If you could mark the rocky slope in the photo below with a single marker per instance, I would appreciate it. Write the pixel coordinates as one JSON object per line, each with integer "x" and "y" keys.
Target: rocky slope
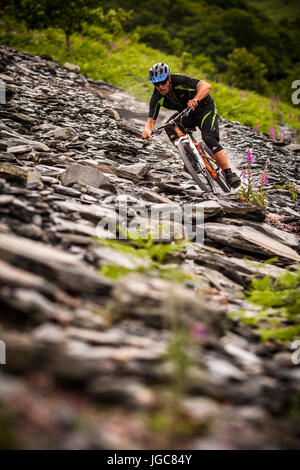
{"x": 86, "y": 364}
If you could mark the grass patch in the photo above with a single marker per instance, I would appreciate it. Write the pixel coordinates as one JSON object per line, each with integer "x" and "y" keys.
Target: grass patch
{"x": 113, "y": 271}
{"x": 149, "y": 250}
{"x": 288, "y": 187}
{"x": 144, "y": 246}
{"x": 279, "y": 300}
{"x": 170, "y": 273}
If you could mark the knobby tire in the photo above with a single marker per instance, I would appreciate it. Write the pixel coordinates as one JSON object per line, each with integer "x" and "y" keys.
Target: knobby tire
{"x": 188, "y": 156}
{"x": 220, "y": 180}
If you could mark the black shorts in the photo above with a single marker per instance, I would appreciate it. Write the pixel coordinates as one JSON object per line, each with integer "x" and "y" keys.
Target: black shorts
{"x": 206, "y": 120}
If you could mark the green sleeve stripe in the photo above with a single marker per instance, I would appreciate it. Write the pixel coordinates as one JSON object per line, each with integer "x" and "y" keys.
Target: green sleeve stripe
{"x": 204, "y": 119}
{"x": 183, "y": 87}
{"x": 160, "y": 102}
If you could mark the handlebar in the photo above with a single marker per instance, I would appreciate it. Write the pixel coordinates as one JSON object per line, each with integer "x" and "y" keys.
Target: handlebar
{"x": 183, "y": 113}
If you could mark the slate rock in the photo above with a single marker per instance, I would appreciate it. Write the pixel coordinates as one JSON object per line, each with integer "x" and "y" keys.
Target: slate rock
{"x": 19, "y": 149}
{"x": 287, "y": 238}
{"x": 156, "y": 301}
{"x": 13, "y": 173}
{"x": 72, "y": 67}
{"x": 57, "y": 265}
{"x": 152, "y": 196}
{"x": 34, "y": 180}
{"x": 61, "y": 133}
{"x": 211, "y": 208}
{"x": 233, "y": 208}
{"x": 76, "y": 173}
{"x": 5, "y": 199}
{"x": 113, "y": 113}
{"x": 137, "y": 171}
{"x": 248, "y": 239}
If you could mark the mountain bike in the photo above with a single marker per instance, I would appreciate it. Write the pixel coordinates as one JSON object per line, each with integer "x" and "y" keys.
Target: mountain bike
{"x": 197, "y": 157}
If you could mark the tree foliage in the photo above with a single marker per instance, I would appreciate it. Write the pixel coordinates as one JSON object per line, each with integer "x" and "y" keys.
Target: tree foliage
{"x": 67, "y": 15}
{"x": 156, "y": 36}
{"x": 246, "y": 71}
{"x": 215, "y": 28}
{"x": 210, "y": 28}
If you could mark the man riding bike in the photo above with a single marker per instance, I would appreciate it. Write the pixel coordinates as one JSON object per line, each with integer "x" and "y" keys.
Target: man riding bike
{"x": 175, "y": 91}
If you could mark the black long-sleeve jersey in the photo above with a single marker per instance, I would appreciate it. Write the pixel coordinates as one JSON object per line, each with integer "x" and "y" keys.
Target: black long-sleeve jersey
{"x": 184, "y": 89}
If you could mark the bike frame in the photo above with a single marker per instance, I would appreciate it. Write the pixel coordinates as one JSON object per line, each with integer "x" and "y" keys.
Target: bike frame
{"x": 193, "y": 144}
{"x": 186, "y": 138}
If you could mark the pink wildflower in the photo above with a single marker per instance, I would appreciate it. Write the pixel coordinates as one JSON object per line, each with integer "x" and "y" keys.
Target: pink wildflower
{"x": 272, "y": 132}
{"x": 243, "y": 174}
{"x": 290, "y": 116}
{"x": 281, "y": 135}
{"x": 278, "y": 102}
{"x": 113, "y": 45}
{"x": 264, "y": 177}
{"x": 255, "y": 128}
{"x": 199, "y": 331}
{"x": 249, "y": 157}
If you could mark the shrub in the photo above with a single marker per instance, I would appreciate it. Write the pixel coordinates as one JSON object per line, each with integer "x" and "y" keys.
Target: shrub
{"x": 246, "y": 71}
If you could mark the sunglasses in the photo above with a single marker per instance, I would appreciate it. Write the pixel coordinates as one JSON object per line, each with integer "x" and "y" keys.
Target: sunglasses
{"x": 161, "y": 83}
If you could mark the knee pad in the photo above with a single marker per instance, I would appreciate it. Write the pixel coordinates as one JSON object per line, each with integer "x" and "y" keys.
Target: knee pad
{"x": 212, "y": 143}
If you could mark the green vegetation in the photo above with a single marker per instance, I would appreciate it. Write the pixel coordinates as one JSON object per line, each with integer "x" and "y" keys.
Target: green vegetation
{"x": 253, "y": 194}
{"x": 277, "y": 9}
{"x": 113, "y": 271}
{"x": 209, "y": 28}
{"x": 123, "y": 61}
{"x": 217, "y": 27}
{"x": 67, "y": 16}
{"x": 244, "y": 67}
{"x": 288, "y": 187}
{"x": 144, "y": 246}
{"x": 154, "y": 255}
{"x": 279, "y": 315}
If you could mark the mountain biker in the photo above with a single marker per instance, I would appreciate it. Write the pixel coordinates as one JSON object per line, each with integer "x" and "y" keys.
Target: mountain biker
{"x": 175, "y": 91}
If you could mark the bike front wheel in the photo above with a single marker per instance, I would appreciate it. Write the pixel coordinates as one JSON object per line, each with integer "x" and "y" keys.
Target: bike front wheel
{"x": 220, "y": 180}
{"x": 193, "y": 167}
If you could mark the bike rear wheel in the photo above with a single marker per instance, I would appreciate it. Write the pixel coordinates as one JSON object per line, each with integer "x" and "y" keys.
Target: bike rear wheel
{"x": 199, "y": 175}
{"x": 220, "y": 180}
